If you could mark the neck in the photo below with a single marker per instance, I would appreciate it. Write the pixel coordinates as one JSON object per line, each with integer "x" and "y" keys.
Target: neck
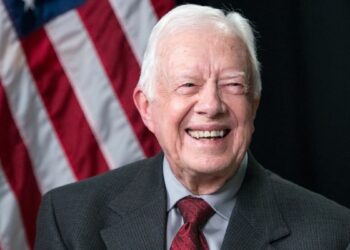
{"x": 203, "y": 183}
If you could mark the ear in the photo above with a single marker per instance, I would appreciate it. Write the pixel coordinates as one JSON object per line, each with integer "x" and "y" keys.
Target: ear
{"x": 143, "y": 105}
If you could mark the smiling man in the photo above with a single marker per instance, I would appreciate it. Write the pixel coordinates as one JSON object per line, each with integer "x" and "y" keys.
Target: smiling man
{"x": 199, "y": 91}
{"x": 204, "y": 105}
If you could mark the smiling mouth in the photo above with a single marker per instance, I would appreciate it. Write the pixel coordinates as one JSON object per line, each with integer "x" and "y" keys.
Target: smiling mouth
{"x": 207, "y": 134}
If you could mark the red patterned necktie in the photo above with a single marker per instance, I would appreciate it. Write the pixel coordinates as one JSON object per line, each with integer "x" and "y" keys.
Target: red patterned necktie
{"x": 196, "y": 212}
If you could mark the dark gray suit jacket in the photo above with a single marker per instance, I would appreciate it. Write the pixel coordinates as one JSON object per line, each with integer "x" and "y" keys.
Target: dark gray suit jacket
{"x": 126, "y": 209}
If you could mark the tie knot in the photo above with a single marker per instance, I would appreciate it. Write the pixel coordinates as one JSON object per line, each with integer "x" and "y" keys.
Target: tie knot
{"x": 195, "y": 210}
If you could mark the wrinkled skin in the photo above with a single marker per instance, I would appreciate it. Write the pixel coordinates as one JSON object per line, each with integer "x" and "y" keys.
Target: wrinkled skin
{"x": 202, "y": 85}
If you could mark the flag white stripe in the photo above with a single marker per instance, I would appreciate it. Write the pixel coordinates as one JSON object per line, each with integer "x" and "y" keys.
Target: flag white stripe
{"x": 93, "y": 90}
{"x": 137, "y": 19}
{"x": 50, "y": 165}
{"x": 12, "y": 235}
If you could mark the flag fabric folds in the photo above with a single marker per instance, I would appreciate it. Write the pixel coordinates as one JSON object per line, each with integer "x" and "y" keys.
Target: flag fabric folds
{"x": 67, "y": 72}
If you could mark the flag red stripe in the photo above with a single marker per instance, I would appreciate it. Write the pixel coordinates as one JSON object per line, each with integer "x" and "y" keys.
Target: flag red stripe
{"x": 162, "y": 7}
{"x": 73, "y": 130}
{"x": 18, "y": 168}
{"x": 119, "y": 62}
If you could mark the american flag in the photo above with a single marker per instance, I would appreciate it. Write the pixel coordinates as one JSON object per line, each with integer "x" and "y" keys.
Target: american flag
{"x": 67, "y": 72}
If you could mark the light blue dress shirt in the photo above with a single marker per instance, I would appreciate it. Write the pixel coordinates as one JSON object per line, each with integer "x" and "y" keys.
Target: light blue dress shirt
{"x": 222, "y": 202}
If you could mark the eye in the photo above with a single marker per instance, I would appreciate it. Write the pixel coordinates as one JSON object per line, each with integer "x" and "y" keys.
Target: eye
{"x": 235, "y": 88}
{"x": 188, "y": 84}
{"x": 187, "y": 88}
{"x": 235, "y": 84}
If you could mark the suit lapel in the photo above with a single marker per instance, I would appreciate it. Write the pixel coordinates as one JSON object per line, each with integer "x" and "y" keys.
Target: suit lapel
{"x": 139, "y": 222}
{"x": 256, "y": 220}
{"x": 137, "y": 217}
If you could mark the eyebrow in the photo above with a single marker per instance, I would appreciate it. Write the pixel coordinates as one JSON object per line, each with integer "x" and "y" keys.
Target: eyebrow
{"x": 234, "y": 74}
{"x": 226, "y": 74}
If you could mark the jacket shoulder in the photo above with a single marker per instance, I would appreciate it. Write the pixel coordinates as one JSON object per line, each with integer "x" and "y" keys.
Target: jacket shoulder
{"x": 99, "y": 188}
{"x": 74, "y": 214}
{"x": 313, "y": 219}
{"x": 291, "y": 195}
{"x": 308, "y": 213}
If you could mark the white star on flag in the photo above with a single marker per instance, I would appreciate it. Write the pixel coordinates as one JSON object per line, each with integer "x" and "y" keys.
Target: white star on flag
{"x": 29, "y": 4}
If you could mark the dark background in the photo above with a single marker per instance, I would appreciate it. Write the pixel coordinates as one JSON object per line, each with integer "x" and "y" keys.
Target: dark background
{"x": 302, "y": 126}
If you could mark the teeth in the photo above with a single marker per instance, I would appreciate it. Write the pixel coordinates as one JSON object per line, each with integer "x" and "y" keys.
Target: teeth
{"x": 198, "y": 134}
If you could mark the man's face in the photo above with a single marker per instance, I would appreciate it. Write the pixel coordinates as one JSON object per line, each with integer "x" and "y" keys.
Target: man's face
{"x": 203, "y": 110}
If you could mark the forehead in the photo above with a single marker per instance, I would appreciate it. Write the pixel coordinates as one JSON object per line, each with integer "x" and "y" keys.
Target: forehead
{"x": 202, "y": 48}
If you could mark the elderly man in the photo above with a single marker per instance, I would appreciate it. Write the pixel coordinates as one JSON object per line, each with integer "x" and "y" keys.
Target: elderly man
{"x": 198, "y": 93}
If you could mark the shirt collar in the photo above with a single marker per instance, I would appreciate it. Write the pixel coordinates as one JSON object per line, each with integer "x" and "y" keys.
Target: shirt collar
{"x": 222, "y": 201}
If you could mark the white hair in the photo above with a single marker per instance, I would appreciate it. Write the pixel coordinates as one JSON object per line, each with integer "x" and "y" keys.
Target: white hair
{"x": 190, "y": 16}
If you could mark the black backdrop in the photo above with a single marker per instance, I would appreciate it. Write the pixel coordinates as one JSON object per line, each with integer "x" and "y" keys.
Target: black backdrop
{"x": 303, "y": 124}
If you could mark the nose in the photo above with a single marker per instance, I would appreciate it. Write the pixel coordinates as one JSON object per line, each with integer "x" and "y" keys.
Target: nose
{"x": 209, "y": 101}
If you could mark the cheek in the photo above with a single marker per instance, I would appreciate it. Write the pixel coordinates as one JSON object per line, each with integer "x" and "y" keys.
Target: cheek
{"x": 178, "y": 112}
{"x": 177, "y": 119}
{"x": 243, "y": 110}
{"x": 242, "y": 116}
{"x": 169, "y": 117}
